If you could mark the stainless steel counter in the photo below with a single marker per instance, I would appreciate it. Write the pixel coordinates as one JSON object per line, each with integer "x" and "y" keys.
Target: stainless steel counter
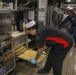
{"x": 20, "y": 40}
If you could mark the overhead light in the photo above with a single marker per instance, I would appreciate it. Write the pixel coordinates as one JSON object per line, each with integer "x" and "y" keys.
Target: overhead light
{"x": 68, "y": 0}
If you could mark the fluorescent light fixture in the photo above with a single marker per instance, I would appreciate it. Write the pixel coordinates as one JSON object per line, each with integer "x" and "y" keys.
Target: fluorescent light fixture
{"x": 68, "y": 0}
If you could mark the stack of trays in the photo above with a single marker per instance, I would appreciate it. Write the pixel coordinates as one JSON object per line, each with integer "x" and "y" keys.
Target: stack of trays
{"x": 27, "y": 54}
{"x": 20, "y": 50}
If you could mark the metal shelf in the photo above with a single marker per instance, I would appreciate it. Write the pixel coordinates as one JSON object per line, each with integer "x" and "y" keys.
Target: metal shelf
{"x": 11, "y": 70}
{"x": 6, "y": 40}
{"x": 8, "y": 59}
{"x": 7, "y": 10}
{"x": 5, "y": 36}
{"x": 5, "y": 43}
{"x": 7, "y": 52}
{"x": 8, "y": 56}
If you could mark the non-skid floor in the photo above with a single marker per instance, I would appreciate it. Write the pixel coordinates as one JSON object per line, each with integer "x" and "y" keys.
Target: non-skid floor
{"x": 69, "y": 66}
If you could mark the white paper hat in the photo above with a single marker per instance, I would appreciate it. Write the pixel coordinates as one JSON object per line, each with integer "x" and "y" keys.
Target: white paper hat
{"x": 69, "y": 8}
{"x": 30, "y": 24}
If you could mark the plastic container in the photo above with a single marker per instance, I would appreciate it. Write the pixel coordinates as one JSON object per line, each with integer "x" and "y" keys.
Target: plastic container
{"x": 11, "y": 5}
{"x": 41, "y": 64}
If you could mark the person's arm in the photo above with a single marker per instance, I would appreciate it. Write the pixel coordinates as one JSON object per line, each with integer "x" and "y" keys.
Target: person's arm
{"x": 40, "y": 52}
{"x": 63, "y": 22}
{"x": 34, "y": 60}
{"x": 74, "y": 19}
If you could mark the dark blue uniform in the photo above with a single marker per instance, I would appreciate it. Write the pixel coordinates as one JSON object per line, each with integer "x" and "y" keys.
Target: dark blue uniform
{"x": 60, "y": 43}
{"x": 72, "y": 30}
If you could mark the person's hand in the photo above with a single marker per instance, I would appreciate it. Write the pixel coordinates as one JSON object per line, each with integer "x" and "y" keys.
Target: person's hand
{"x": 33, "y": 61}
